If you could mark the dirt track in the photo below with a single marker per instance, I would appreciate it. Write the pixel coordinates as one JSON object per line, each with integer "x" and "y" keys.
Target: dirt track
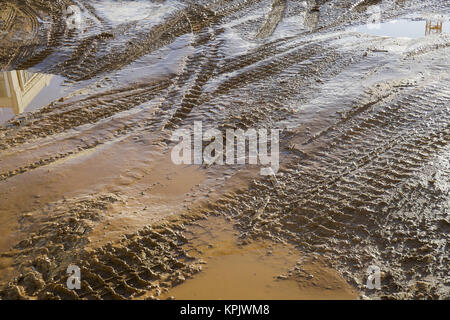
{"x": 365, "y": 147}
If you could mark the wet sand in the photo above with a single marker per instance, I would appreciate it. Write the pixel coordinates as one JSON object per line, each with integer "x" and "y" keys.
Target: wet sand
{"x": 257, "y": 270}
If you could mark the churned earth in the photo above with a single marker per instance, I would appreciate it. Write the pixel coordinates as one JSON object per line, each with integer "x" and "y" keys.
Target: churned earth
{"x": 360, "y": 90}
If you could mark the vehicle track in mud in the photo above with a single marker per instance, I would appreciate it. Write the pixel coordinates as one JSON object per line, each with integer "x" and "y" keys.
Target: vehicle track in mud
{"x": 350, "y": 191}
{"x": 141, "y": 264}
{"x": 342, "y": 208}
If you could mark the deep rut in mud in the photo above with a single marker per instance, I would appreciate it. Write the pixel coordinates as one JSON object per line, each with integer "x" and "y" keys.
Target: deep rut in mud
{"x": 365, "y": 147}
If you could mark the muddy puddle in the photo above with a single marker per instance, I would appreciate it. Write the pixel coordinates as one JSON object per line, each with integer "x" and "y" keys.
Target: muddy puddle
{"x": 405, "y": 28}
{"x": 254, "y": 270}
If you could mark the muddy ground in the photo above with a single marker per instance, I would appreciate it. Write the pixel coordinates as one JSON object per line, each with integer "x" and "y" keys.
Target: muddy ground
{"x": 87, "y": 179}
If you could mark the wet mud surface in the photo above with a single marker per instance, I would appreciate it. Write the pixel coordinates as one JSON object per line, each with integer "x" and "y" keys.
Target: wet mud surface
{"x": 86, "y": 178}
{"x": 241, "y": 269}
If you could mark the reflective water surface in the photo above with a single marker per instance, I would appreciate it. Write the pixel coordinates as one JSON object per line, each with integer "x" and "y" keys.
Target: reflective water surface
{"x": 404, "y": 28}
{"x": 91, "y": 93}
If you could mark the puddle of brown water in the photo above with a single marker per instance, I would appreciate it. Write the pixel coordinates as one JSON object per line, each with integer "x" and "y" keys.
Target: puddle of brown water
{"x": 252, "y": 271}
{"x": 405, "y": 28}
{"x": 24, "y": 91}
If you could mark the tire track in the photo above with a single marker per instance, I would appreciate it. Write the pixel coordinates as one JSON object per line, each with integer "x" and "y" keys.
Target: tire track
{"x": 348, "y": 197}
{"x": 208, "y": 62}
{"x": 338, "y": 204}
